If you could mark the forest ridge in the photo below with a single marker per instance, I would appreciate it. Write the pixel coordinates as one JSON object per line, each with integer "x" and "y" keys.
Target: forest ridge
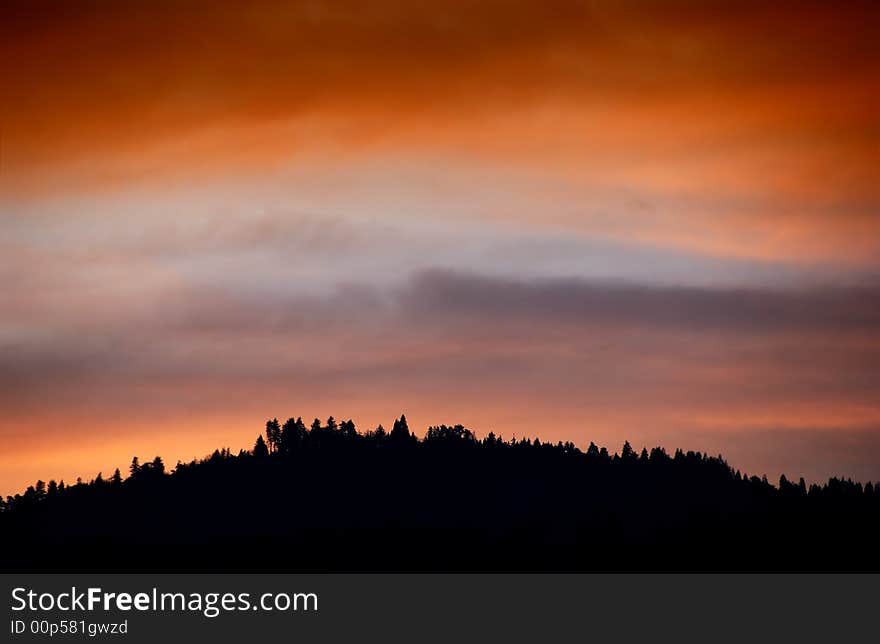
{"x": 326, "y": 497}
{"x": 293, "y": 436}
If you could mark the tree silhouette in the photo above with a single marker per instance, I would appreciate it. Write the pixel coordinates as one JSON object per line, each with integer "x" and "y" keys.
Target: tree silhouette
{"x": 260, "y": 449}
{"x": 293, "y": 435}
{"x": 348, "y": 429}
{"x": 273, "y": 434}
{"x": 333, "y": 499}
{"x": 400, "y": 431}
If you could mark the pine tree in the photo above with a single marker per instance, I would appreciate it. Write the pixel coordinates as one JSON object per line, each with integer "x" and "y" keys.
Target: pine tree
{"x": 260, "y": 449}
{"x": 400, "y": 430}
{"x": 348, "y": 429}
{"x": 273, "y": 434}
{"x": 290, "y": 436}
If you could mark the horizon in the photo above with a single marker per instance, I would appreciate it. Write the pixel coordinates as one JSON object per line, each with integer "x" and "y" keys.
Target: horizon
{"x": 589, "y": 221}
{"x": 613, "y": 452}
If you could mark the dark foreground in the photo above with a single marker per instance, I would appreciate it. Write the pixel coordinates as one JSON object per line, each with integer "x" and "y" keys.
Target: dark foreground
{"x": 330, "y": 499}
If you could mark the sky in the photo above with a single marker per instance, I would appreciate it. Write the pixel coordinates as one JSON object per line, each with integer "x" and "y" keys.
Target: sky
{"x": 652, "y": 221}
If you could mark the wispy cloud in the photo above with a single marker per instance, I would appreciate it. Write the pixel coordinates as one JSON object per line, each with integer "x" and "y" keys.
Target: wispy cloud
{"x": 587, "y": 220}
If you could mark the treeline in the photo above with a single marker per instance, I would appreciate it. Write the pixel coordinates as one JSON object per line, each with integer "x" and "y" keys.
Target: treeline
{"x": 327, "y": 497}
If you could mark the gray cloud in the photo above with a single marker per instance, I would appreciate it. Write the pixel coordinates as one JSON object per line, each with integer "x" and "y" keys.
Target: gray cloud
{"x": 757, "y": 310}
{"x": 439, "y": 301}
{"x": 560, "y": 358}
{"x": 440, "y": 319}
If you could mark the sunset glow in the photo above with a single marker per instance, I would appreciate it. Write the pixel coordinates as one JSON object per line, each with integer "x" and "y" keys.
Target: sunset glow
{"x": 650, "y": 221}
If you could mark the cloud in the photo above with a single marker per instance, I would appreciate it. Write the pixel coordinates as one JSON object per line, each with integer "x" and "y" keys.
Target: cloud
{"x": 614, "y": 359}
{"x": 628, "y": 191}
{"x": 746, "y": 131}
{"x": 687, "y": 309}
{"x": 741, "y": 373}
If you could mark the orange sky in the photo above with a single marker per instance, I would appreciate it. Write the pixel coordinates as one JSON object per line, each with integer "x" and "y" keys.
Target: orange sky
{"x": 584, "y": 220}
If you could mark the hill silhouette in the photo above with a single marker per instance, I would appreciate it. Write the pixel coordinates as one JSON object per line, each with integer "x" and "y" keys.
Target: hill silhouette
{"x": 328, "y": 498}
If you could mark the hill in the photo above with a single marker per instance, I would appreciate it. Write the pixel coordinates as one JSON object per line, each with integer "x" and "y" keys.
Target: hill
{"x": 327, "y": 498}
